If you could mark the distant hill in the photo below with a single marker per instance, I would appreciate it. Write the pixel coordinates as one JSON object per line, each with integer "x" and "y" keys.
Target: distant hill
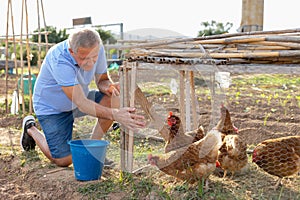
{"x": 151, "y": 33}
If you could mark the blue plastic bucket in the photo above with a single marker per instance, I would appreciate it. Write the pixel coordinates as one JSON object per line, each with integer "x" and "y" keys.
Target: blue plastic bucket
{"x": 88, "y": 158}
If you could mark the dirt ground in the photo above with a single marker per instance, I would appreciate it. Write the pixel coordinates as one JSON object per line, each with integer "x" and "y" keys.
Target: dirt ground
{"x": 31, "y": 176}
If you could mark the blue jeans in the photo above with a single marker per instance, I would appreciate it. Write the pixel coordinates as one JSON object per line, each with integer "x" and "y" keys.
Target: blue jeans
{"x": 58, "y": 128}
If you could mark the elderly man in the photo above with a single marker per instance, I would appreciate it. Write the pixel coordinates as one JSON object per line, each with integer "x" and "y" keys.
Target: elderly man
{"x": 62, "y": 93}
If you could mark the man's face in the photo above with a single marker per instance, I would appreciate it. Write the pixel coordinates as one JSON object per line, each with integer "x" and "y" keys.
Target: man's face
{"x": 86, "y": 57}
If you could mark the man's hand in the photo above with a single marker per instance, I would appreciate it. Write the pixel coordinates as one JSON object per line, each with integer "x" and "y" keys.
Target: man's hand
{"x": 113, "y": 89}
{"x": 126, "y": 117}
{"x": 106, "y": 86}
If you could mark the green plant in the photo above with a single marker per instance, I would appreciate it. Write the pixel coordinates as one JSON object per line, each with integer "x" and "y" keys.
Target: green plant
{"x": 98, "y": 190}
{"x": 266, "y": 118}
{"x": 269, "y": 99}
{"x": 237, "y": 96}
{"x": 298, "y": 99}
{"x": 157, "y": 89}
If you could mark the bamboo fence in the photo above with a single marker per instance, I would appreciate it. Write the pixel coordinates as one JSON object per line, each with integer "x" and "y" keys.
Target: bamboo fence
{"x": 12, "y": 39}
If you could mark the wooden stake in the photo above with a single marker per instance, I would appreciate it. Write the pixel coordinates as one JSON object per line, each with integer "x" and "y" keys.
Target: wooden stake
{"x": 123, "y": 85}
{"x": 46, "y": 35}
{"x": 39, "y": 35}
{"x": 132, "y": 104}
{"x": 6, "y": 60}
{"x": 15, "y": 52}
{"x": 193, "y": 99}
{"x": 187, "y": 102}
{"x": 182, "y": 97}
{"x": 28, "y": 61}
{"x": 22, "y": 62}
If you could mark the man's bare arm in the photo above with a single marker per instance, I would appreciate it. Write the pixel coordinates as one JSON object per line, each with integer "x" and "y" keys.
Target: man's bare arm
{"x": 76, "y": 95}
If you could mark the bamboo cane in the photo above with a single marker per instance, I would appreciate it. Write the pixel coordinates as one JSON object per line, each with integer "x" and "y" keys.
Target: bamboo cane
{"x": 46, "y": 35}
{"x": 283, "y": 44}
{"x": 6, "y": 60}
{"x": 224, "y": 48}
{"x": 260, "y": 47}
{"x": 263, "y": 54}
{"x": 212, "y": 37}
{"x": 21, "y": 59}
{"x": 15, "y": 58}
{"x": 124, "y": 137}
{"x": 248, "y": 39}
{"x": 39, "y": 34}
{"x": 241, "y": 39}
{"x": 122, "y": 104}
{"x": 28, "y": 61}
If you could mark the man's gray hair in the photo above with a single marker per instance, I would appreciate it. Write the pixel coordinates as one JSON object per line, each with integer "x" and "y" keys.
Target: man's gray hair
{"x": 85, "y": 38}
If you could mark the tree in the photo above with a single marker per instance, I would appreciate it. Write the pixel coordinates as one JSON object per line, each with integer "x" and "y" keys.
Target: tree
{"x": 214, "y": 28}
{"x": 56, "y": 37}
{"x": 53, "y": 35}
{"x": 106, "y": 36}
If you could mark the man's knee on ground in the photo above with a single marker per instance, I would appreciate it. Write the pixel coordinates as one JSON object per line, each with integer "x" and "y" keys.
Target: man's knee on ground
{"x": 63, "y": 162}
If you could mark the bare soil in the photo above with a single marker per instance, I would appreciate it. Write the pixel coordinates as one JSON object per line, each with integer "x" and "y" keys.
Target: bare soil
{"x": 32, "y": 176}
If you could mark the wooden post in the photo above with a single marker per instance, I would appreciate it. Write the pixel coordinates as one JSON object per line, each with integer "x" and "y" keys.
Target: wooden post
{"x": 127, "y": 137}
{"x": 132, "y": 102}
{"x": 182, "y": 97}
{"x": 28, "y": 61}
{"x": 187, "y": 102}
{"x": 39, "y": 35}
{"x": 252, "y": 16}
{"x": 21, "y": 59}
{"x": 214, "y": 100}
{"x": 123, "y": 86}
{"x": 193, "y": 100}
{"x": 15, "y": 58}
{"x": 46, "y": 35}
{"x": 6, "y": 60}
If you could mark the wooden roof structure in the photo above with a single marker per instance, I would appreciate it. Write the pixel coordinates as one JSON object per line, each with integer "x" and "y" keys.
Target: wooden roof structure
{"x": 235, "y": 52}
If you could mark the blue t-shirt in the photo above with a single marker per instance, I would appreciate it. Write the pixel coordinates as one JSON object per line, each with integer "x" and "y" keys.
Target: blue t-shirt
{"x": 59, "y": 69}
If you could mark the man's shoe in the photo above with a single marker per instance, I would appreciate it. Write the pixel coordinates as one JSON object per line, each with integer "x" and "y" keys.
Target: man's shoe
{"x": 115, "y": 126}
{"x": 109, "y": 163}
{"x": 26, "y": 141}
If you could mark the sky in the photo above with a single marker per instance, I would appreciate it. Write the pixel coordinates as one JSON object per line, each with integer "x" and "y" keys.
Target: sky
{"x": 183, "y": 17}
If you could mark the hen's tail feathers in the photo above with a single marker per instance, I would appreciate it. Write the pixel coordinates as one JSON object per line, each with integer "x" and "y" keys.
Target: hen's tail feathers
{"x": 211, "y": 142}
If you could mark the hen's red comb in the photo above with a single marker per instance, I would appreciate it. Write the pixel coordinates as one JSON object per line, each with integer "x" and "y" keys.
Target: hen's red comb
{"x": 218, "y": 164}
{"x": 170, "y": 113}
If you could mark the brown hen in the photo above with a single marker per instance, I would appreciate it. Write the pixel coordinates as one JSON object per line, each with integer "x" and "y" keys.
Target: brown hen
{"x": 193, "y": 162}
{"x": 232, "y": 155}
{"x": 177, "y": 138}
{"x": 225, "y": 125}
{"x": 279, "y": 157}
